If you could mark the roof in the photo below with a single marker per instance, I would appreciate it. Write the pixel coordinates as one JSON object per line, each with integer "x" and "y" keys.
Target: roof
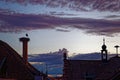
{"x": 97, "y": 69}
{"x": 12, "y": 65}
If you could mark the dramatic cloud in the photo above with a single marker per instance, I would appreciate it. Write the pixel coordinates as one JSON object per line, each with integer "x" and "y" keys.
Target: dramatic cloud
{"x": 113, "y": 17}
{"x": 62, "y": 30}
{"x": 61, "y": 14}
{"x": 84, "y": 5}
{"x": 15, "y": 22}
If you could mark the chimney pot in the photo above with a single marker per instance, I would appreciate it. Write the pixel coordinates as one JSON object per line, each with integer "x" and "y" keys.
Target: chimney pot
{"x": 25, "y": 40}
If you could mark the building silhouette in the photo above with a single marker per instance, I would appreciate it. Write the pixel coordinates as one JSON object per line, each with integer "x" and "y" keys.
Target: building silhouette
{"x": 104, "y": 69}
{"x": 15, "y": 67}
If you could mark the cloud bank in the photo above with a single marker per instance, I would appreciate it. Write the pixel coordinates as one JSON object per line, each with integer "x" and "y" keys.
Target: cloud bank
{"x": 11, "y": 21}
{"x": 16, "y": 22}
{"x": 84, "y": 5}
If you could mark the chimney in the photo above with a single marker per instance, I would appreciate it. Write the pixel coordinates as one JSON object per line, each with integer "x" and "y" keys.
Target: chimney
{"x": 25, "y": 40}
{"x": 64, "y": 51}
{"x": 117, "y": 49}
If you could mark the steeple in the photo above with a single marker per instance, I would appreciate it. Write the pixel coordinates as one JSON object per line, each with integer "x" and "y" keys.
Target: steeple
{"x": 104, "y": 51}
{"x": 104, "y": 46}
{"x": 104, "y": 41}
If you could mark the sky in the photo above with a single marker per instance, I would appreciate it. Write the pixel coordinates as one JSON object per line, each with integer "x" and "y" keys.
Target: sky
{"x": 77, "y": 25}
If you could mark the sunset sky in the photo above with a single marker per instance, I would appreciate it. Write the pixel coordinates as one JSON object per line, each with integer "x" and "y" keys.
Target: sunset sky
{"x": 77, "y": 25}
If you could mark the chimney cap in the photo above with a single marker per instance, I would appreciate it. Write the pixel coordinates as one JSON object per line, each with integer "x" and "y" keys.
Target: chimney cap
{"x": 24, "y": 39}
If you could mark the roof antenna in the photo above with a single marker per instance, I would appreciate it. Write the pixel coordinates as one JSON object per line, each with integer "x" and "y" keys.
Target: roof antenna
{"x": 117, "y": 49}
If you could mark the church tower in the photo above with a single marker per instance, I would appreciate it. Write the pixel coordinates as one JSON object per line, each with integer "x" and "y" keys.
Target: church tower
{"x": 104, "y": 54}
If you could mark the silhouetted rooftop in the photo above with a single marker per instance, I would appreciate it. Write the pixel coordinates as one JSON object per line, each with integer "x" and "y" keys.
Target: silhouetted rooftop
{"x": 97, "y": 69}
{"x": 13, "y": 66}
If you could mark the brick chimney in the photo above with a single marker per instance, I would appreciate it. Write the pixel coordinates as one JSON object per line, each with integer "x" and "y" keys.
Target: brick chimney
{"x": 25, "y": 40}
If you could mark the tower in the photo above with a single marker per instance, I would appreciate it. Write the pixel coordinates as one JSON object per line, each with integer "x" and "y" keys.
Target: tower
{"x": 104, "y": 54}
{"x": 25, "y": 40}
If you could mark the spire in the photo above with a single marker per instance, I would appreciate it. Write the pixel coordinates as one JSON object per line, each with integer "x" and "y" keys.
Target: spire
{"x": 104, "y": 46}
{"x": 103, "y": 41}
{"x": 104, "y": 51}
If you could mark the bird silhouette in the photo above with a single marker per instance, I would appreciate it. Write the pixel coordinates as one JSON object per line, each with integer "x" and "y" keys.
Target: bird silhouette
{"x": 26, "y": 35}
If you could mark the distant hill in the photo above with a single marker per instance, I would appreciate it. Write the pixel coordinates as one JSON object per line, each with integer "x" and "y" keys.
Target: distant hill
{"x": 54, "y": 60}
{"x": 89, "y": 56}
{"x": 50, "y": 58}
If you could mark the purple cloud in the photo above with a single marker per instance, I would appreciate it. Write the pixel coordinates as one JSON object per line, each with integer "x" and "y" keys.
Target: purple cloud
{"x": 16, "y": 22}
{"x": 61, "y": 14}
{"x": 62, "y": 30}
{"x": 112, "y": 16}
{"x": 84, "y": 5}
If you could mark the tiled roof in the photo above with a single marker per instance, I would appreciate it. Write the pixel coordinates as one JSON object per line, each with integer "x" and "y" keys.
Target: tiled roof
{"x": 14, "y": 65}
{"x": 97, "y": 69}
